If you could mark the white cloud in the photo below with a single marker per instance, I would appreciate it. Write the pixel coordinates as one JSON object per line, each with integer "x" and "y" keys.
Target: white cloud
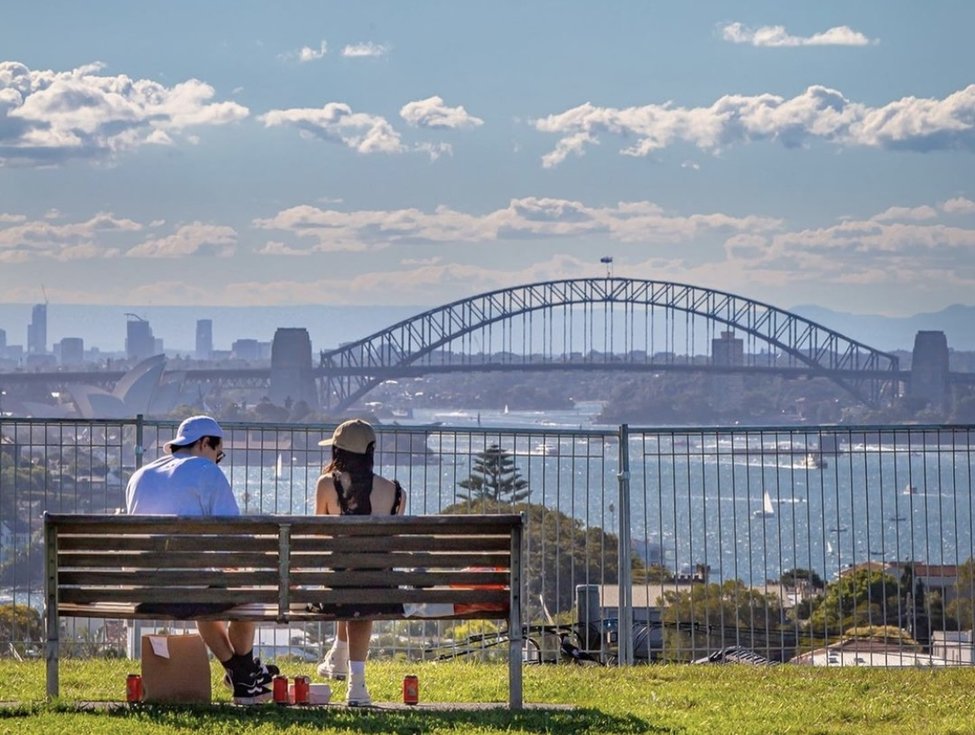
{"x": 329, "y": 230}
{"x": 195, "y": 238}
{"x": 777, "y": 36}
{"x": 47, "y": 117}
{"x": 364, "y": 50}
{"x": 958, "y": 205}
{"x": 433, "y": 113}
{"x": 26, "y": 240}
{"x": 906, "y": 213}
{"x": 306, "y": 53}
{"x": 818, "y": 113}
{"x": 336, "y": 122}
{"x": 6, "y": 218}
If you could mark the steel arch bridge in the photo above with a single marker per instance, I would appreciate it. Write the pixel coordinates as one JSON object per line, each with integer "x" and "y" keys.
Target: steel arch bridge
{"x": 538, "y": 324}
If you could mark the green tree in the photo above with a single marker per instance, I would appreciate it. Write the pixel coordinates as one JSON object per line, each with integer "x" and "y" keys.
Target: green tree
{"x": 797, "y": 577}
{"x": 495, "y": 477}
{"x": 561, "y": 552}
{"x": 862, "y": 597}
{"x": 962, "y": 607}
{"x": 19, "y": 623}
{"x": 709, "y": 616}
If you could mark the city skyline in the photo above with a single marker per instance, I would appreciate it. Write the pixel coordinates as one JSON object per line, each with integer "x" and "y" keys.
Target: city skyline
{"x": 382, "y": 154}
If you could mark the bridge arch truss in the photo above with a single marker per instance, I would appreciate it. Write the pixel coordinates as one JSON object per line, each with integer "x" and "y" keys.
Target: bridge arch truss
{"x": 598, "y": 321}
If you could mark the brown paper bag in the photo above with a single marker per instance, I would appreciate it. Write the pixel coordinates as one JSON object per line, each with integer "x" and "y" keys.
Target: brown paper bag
{"x": 175, "y": 668}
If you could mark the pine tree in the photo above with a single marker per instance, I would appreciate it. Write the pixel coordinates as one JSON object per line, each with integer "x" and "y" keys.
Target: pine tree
{"x": 495, "y": 477}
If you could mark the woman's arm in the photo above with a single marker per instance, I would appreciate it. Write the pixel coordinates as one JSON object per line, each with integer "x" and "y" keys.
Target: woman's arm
{"x": 325, "y": 496}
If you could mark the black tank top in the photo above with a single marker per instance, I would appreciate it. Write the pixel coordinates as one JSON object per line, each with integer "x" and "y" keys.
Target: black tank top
{"x": 362, "y": 506}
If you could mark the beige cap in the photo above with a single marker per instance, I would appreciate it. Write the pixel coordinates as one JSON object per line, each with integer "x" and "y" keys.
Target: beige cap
{"x": 353, "y": 436}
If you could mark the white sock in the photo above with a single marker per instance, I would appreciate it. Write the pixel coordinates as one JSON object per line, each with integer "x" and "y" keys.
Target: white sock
{"x": 357, "y": 669}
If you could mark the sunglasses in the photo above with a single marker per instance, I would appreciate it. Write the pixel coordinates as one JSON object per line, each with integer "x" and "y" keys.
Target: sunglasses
{"x": 220, "y": 455}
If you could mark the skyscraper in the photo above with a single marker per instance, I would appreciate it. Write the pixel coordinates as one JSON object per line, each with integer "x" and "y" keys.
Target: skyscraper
{"x": 37, "y": 330}
{"x": 204, "y": 338}
{"x": 139, "y": 341}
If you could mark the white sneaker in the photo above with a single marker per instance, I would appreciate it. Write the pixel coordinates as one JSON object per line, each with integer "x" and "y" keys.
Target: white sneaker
{"x": 335, "y": 665}
{"x": 358, "y": 695}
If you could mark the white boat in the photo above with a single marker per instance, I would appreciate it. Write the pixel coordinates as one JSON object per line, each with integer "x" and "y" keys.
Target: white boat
{"x": 767, "y": 510}
{"x": 909, "y": 489}
{"x": 546, "y": 450}
{"x": 814, "y": 461}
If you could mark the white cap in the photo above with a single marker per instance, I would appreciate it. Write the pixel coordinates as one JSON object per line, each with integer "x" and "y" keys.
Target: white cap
{"x": 192, "y": 430}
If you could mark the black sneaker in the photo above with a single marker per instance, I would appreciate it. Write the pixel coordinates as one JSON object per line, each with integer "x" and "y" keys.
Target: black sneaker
{"x": 248, "y": 690}
{"x": 261, "y": 673}
{"x": 264, "y": 673}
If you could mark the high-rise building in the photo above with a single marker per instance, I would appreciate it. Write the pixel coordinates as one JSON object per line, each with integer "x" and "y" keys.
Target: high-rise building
{"x": 727, "y": 391}
{"x": 204, "y": 338}
{"x": 139, "y": 342}
{"x": 3, "y": 340}
{"x": 37, "y": 330}
{"x": 72, "y": 350}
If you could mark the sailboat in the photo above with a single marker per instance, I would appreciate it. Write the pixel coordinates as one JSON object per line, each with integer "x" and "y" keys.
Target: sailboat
{"x": 279, "y": 467}
{"x": 767, "y": 510}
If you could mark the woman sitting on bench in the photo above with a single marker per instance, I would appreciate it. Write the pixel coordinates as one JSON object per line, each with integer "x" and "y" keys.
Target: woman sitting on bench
{"x": 348, "y": 486}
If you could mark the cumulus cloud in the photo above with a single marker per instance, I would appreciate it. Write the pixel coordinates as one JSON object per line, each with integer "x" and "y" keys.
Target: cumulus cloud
{"x": 906, "y": 213}
{"x": 958, "y": 205}
{"x": 336, "y": 122}
{"x": 819, "y": 113}
{"x": 777, "y": 36}
{"x": 328, "y": 230}
{"x": 306, "y": 53}
{"x": 196, "y": 238}
{"x": 26, "y": 240}
{"x": 47, "y": 116}
{"x": 364, "y": 50}
{"x": 433, "y": 113}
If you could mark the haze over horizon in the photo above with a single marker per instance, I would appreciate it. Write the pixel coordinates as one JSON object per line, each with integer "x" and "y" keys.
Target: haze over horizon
{"x": 380, "y": 153}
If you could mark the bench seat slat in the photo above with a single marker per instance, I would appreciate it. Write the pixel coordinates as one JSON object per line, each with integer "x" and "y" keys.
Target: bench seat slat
{"x": 398, "y": 578}
{"x": 136, "y": 595}
{"x": 151, "y": 560}
{"x": 167, "y": 543}
{"x": 400, "y": 543}
{"x": 169, "y": 578}
{"x": 430, "y": 560}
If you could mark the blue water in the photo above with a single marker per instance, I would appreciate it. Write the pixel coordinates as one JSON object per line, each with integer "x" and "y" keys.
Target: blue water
{"x": 690, "y": 498}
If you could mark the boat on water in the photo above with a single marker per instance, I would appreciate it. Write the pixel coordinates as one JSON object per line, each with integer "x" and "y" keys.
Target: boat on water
{"x": 545, "y": 449}
{"x": 814, "y": 461}
{"x": 909, "y": 489}
{"x": 767, "y": 510}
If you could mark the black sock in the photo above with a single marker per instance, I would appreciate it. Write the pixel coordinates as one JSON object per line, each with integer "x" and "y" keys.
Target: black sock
{"x": 239, "y": 662}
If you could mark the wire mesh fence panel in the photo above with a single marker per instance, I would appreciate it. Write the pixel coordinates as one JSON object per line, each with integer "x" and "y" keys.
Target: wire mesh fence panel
{"x": 827, "y": 545}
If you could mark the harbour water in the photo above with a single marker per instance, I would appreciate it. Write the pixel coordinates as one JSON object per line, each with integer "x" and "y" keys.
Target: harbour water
{"x": 695, "y": 496}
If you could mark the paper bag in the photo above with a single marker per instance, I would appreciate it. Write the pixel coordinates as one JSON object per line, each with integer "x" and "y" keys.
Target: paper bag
{"x": 175, "y": 668}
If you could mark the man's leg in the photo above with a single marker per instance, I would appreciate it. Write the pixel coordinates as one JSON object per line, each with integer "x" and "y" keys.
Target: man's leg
{"x": 233, "y": 646}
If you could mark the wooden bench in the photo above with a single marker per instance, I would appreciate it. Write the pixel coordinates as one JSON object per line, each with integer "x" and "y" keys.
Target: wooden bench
{"x": 137, "y": 567}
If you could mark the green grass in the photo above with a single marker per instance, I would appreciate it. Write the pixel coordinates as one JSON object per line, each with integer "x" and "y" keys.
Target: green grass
{"x": 642, "y": 699}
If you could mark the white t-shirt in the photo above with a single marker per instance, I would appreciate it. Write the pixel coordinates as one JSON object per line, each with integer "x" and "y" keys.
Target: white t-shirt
{"x": 183, "y": 485}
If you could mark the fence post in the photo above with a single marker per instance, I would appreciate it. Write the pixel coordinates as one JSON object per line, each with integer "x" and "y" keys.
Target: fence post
{"x": 139, "y": 422}
{"x": 625, "y": 613}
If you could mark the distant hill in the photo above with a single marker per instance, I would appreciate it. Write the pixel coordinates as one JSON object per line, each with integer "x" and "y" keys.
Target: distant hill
{"x": 897, "y": 333}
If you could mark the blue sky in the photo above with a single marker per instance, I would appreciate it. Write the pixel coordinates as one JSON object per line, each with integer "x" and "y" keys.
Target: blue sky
{"x": 243, "y": 153}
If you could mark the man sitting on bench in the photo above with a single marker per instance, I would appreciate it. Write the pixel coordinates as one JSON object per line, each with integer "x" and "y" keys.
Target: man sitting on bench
{"x": 187, "y": 482}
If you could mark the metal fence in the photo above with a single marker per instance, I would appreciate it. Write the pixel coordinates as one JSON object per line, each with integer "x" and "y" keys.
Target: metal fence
{"x": 822, "y": 545}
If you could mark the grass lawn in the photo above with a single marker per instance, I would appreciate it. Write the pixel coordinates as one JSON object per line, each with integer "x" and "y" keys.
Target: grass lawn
{"x": 642, "y": 699}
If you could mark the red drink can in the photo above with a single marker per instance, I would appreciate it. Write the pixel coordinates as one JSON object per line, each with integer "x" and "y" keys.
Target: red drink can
{"x": 133, "y": 688}
{"x": 280, "y": 689}
{"x": 302, "y": 690}
{"x": 411, "y": 689}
